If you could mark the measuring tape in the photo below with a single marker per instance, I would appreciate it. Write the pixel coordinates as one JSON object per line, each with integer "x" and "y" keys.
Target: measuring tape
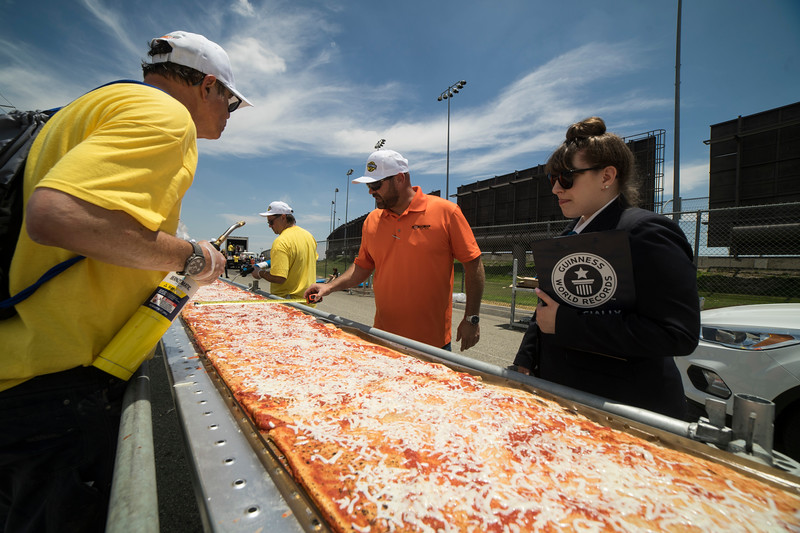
{"x": 228, "y": 302}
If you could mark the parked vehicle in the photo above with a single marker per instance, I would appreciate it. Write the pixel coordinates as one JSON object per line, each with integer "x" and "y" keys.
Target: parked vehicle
{"x": 750, "y": 349}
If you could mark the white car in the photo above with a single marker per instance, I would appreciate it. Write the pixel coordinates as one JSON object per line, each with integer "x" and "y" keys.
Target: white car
{"x": 750, "y": 349}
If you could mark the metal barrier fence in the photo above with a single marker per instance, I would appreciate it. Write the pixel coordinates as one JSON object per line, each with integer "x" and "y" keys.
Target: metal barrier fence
{"x": 743, "y": 255}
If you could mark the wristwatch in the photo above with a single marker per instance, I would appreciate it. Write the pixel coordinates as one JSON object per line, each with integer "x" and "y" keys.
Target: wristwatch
{"x": 473, "y": 319}
{"x": 196, "y": 262}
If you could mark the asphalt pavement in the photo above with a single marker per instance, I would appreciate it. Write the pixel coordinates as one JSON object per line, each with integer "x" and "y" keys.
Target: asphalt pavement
{"x": 498, "y": 343}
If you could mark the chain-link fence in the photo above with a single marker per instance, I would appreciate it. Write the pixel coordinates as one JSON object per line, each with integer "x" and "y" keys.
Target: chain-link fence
{"x": 743, "y": 255}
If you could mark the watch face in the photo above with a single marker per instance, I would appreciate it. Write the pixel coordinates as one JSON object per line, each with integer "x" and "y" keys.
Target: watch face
{"x": 195, "y": 265}
{"x": 196, "y": 262}
{"x": 474, "y": 319}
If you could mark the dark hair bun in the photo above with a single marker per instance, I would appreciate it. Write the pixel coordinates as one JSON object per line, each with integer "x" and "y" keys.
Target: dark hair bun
{"x": 590, "y": 127}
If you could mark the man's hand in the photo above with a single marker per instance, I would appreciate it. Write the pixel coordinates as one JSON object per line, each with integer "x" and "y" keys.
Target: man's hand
{"x": 546, "y": 312}
{"x": 468, "y": 333}
{"x": 215, "y": 264}
{"x": 267, "y": 275}
{"x": 315, "y": 292}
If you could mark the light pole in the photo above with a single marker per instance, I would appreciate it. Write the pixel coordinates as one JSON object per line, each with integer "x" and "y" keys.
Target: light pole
{"x": 346, "y": 205}
{"x": 447, "y": 95}
{"x": 676, "y": 162}
{"x": 334, "y": 208}
{"x": 328, "y": 241}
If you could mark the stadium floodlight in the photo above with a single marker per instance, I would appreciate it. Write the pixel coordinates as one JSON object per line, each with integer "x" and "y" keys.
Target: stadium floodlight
{"x": 448, "y": 94}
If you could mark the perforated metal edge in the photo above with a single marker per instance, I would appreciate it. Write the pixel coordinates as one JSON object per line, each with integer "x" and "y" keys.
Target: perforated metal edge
{"x": 233, "y": 488}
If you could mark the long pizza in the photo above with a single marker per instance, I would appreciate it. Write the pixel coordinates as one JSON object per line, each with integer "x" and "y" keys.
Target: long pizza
{"x": 383, "y": 441}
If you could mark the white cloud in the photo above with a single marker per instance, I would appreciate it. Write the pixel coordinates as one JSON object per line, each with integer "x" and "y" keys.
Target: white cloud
{"x": 694, "y": 179}
{"x": 29, "y": 88}
{"x": 303, "y": 109}
{"x": 243, "y": 7}
{"x": 114, "y": 24}
{"x": 254, "y": 59}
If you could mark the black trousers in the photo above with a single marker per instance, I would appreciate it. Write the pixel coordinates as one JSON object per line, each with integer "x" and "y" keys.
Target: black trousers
{"x": 58, "y": 438}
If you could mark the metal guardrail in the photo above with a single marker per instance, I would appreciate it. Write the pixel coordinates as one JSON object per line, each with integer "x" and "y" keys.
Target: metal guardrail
{"x": 134, "y": 499}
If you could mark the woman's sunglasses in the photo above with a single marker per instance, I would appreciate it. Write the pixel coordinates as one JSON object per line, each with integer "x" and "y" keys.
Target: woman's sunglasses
{"x": 567, "y": 178}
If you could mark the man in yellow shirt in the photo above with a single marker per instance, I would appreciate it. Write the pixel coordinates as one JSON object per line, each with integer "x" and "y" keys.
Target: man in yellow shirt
{"x": 104, "y": 179}
{"x": 293, "y": 256}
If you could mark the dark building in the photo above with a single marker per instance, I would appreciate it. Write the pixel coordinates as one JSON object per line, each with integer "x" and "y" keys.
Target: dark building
{"x": 755, "y": 161}
{"x": 525, "y": 196}
{"x": 509, "y": 212}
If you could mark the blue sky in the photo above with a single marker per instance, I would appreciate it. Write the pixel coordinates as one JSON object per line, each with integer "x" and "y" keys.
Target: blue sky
{"x": 329, "y": 79}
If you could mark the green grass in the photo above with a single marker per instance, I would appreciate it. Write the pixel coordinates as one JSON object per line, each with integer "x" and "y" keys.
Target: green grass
{"x": 498, "y": 281}
{"x": 714, "y": 300}
{"x": 323, "y": 272}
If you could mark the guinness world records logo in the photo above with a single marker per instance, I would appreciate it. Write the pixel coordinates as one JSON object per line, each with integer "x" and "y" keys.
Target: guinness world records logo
{"x": 584, "y": 280}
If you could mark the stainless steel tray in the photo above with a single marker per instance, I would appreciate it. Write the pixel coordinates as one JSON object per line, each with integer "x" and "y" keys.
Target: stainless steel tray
{"x": 244, "y": 483}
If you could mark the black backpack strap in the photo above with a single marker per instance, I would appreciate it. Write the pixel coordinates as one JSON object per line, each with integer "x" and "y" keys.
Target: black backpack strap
{"x": 53, "y": 272}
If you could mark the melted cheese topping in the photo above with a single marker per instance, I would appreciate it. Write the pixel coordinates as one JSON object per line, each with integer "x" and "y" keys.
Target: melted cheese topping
{"x": 426, "y": 448}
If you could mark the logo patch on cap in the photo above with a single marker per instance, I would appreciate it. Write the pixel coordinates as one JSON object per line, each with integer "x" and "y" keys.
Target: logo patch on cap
{"x": 371, "y": 166}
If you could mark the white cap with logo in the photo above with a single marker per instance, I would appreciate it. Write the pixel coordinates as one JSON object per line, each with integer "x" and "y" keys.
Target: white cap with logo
{"x": 382, "y": 164}
{"x": 277, "y": 208}
{"x": 195, "y": 51}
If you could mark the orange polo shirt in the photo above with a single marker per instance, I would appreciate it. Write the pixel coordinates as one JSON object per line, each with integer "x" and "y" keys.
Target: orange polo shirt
{"x": 412, "y": 255}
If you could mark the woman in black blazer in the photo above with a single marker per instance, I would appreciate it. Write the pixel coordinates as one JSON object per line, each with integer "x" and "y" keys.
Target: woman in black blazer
{"x": 624, "y": 357}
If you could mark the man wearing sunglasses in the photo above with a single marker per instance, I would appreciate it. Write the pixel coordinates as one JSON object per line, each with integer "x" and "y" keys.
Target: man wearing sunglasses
{"x": 293, "y": 258}
{"x": 104, "y": 179}
{"x": 410, "y": 242}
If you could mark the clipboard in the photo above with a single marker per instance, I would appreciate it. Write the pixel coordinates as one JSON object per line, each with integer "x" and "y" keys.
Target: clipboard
{"x": 590, "y": 272}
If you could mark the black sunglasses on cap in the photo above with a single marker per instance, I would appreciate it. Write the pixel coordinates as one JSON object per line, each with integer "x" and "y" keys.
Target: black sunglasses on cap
{"x": 567, "y": 178}
{"x": 375, "y": 185}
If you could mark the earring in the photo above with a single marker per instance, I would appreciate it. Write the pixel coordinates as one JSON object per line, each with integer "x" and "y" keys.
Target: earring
{"x": 606, "y": 187}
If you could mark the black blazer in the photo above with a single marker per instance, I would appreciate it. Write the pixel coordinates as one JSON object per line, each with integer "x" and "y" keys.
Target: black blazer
{"x": 628, "y": 357}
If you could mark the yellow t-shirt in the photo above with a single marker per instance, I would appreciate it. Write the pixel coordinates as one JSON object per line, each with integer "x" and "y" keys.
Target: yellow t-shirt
{"x": 125, "y": 147}
{"x": 294, "y": 257}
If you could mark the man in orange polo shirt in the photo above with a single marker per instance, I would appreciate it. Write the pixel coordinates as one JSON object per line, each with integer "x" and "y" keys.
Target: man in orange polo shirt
{"x": 410, "y": 242}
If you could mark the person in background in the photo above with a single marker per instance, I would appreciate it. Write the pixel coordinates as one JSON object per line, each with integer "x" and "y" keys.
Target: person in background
{"x": 104, "y": 179}
{"x": 625, "y": 357}
{"x": 229, "y": 257}
{"x": 293, "y": 257}
{"x": 333, "y": 276}
{"x": 410, "y": 241}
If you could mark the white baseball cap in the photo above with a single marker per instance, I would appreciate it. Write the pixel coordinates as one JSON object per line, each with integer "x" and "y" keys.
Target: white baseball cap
{"x": 195, "y": 51}
{"x": 382, "y": 164}
{"x": 277, "y": 208}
